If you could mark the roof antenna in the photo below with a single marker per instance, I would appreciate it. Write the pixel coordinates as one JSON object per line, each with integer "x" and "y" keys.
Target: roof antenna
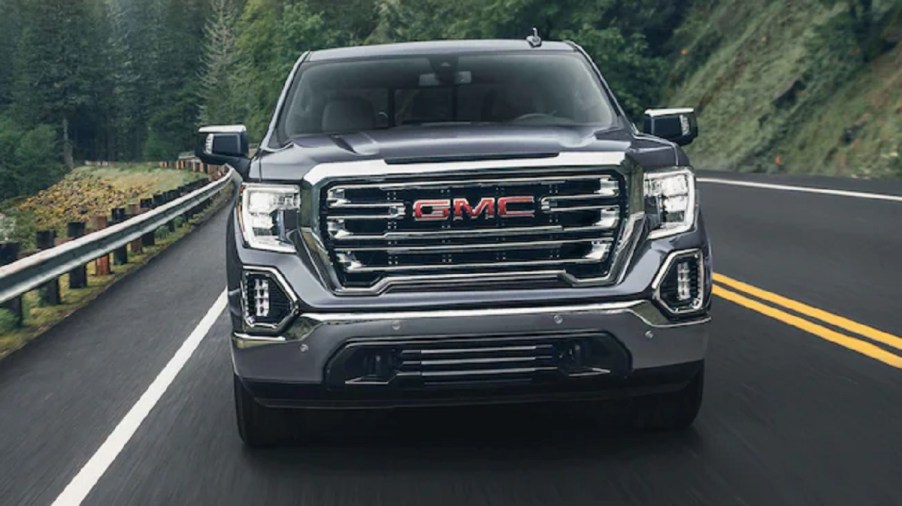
{"x": 534, "y": 39}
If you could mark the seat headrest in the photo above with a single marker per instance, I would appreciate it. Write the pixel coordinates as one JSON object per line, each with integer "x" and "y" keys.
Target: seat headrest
{"x": 348, "y": 114}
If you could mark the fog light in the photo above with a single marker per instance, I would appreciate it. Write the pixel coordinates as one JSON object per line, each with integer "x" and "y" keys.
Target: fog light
{"x": 267, "y": 302}
{"x": 261, "y": 297}
{"x": 680, "y": 286}
{"x": 683, "y": 288}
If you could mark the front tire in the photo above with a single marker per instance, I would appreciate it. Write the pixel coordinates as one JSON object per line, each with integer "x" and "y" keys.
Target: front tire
{"x": 670, "y": 411}
{"x": 258, "y": 425}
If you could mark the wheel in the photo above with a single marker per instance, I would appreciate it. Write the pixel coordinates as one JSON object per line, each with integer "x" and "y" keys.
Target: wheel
{"x": 670, "y": 411}
{"x": 258, "y": 425}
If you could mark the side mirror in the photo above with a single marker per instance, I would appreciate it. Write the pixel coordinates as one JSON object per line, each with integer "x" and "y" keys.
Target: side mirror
{"x": 675, "y": 125}
{"x": 224, "y": 145}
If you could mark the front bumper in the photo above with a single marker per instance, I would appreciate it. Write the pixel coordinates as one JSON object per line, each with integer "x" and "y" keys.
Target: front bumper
{"x": 291, "y": 368}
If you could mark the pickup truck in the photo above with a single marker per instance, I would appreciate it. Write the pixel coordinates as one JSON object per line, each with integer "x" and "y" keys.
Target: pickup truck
{"x": 462, "y": 222}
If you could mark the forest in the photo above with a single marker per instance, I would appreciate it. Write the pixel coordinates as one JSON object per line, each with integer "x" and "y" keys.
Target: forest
{"x": 130, "y": 80}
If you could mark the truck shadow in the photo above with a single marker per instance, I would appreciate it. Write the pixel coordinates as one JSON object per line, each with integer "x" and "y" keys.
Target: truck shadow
{"x": 487, "y": 438}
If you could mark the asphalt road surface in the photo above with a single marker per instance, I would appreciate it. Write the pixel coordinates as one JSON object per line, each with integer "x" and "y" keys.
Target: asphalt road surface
{"x": 803, "y": 401}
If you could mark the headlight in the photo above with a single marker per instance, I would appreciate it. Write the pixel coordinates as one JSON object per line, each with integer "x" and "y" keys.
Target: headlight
{"x": 670, "y": 201}
{"x": 267, "y": 214}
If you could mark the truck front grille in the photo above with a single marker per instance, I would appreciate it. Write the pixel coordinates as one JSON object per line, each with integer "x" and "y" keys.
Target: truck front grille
{"x": 563, "y": 221}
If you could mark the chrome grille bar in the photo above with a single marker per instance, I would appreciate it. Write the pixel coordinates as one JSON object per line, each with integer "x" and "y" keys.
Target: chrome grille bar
{"x": 344, "y": 204}
{"x": 477, "y": 372}
{"x": 450, "y": 248}
{"x": 602, "y": 226}
{"x": 472, "y": 361}
{"x": 461, "y": 351}
{"x": 605, "y": 210}
{"x": 609, "y": 186}
{"x": 359, "y": 268}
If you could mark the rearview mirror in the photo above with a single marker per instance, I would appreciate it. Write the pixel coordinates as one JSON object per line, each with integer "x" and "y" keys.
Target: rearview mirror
{"x": 675, "y": 125}
{"x": 436, "y": 79}
{"x": 224, "y": 145}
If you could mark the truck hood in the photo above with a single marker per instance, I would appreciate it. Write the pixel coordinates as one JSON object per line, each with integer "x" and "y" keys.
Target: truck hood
{"x": 446, "y": 143}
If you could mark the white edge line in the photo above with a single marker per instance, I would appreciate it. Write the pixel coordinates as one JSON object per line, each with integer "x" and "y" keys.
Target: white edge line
{"x": 88, "y": 476}
{"x": 806, "y": 189}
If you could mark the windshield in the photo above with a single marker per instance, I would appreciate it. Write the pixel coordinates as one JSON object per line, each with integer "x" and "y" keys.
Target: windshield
{"x": 542, "y": 89}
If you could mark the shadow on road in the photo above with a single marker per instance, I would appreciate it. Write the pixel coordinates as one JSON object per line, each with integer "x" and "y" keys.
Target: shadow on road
{"x": 481, "y": 437}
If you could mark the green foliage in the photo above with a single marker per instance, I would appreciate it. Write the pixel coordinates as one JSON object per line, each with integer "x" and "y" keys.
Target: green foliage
{"x": 28, "y": 159}
{"x": 266, "y": 65}
{"x": 179, "y": 52}
{"x": 54, "y": 64}
{"x": 785, "y": 87}
{"x": 7, "y": 321}
{"x": 55, "y": 70}
{"x": 865, "y": 21}
{"x": 9, "y": 36}
{"x": 21, "y": 227}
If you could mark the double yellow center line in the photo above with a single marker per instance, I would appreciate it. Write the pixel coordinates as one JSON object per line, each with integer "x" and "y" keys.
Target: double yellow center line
{"x": 729, "y": 289}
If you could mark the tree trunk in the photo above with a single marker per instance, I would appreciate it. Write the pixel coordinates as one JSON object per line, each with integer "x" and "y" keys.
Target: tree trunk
{"x": 67, "y": 146}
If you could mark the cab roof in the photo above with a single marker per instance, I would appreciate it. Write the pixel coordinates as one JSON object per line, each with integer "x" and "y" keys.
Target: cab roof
{"x": 435, "y": 47}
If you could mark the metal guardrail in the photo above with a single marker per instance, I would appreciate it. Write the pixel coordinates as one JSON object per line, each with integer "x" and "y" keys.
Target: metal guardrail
{"x": 33, "y": 271}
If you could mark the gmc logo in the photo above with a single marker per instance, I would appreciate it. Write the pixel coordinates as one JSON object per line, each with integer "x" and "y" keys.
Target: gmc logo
{"x": 488, "y": 207}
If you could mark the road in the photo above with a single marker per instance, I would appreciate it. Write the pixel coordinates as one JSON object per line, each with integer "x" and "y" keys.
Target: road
{"x": 791, "y": 415}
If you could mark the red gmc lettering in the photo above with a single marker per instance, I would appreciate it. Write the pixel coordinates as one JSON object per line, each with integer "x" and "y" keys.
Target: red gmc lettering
{"x": 504, "y": 212}
{"x": 431, "y": 209}
{"x": 486, "y": 205}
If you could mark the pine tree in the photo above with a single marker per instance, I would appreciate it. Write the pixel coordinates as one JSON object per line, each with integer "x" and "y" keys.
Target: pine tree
{"x": 9, "y": 36}
{"x": 175, "y": 100}
{"x": 56, "y": 66}
{"x": 219, "y": 90}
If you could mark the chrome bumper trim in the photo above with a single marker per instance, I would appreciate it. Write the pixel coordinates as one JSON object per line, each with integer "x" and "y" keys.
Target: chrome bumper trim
{"x": 307, "y": 323}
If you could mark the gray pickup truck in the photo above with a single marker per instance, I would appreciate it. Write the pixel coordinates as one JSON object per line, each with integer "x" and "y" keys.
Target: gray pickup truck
{"x": 463, "y": 222}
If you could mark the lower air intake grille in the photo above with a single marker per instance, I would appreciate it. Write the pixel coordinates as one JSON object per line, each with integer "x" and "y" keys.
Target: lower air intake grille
{"x": 489, "y": 361}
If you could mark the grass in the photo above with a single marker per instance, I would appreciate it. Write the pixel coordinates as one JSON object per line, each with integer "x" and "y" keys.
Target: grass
{"x": 845, "y": 117}
{"x": 39, "y": 317}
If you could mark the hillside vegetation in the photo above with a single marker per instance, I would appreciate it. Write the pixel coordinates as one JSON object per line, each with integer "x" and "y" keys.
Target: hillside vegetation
{"x": 793, "y": 86}
{"x": 86, "y": 192}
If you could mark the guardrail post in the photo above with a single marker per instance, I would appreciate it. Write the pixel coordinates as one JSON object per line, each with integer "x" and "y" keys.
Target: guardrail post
{"x": 137, "y": 247}
{"x": 78, "y": 277}
{"x": 148, "y": 238}
{"x": 169, "y": 196}
{"x": 101, "y": 264}
{"x": 9, "y": 253}
{"x": 50, "y": 291}
{"x": 120, "y": 255}
{"x": 186, "y": 189}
